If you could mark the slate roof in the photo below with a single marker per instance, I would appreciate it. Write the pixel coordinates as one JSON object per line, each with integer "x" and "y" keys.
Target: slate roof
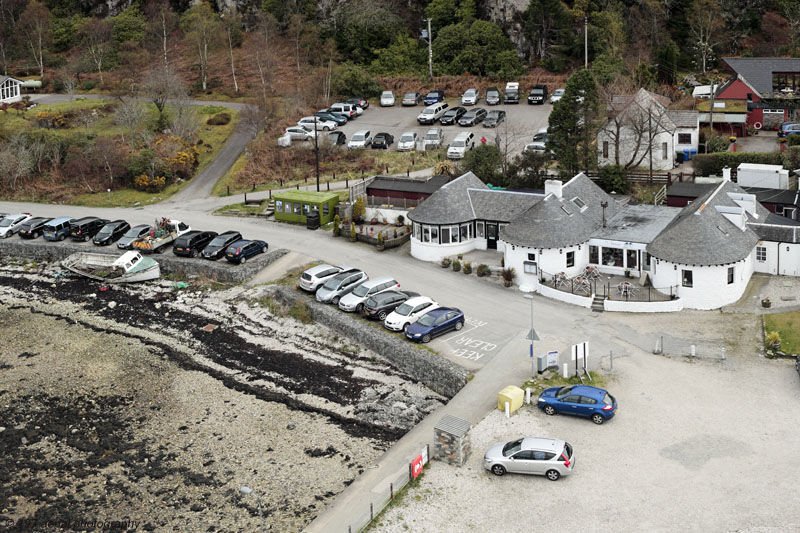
{"x": 389, "y": 183}
{"x": 502, "y": 206}
{"x": 3, "y": 78}
{"x": 779, "y": 231}
{"x": 757, "y": 71}
{"x": 701, "y": 235}
{"x": 547, "y": 225}
{"x": 774, "y": 196}
{"x": 689, "y": 189}
{"x": 683, "y": 118}
{"x": 640, "y": 223}
{"x": 450, "y": 204}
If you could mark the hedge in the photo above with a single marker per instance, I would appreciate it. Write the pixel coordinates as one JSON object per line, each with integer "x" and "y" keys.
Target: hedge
{"x": 712, "y": 164}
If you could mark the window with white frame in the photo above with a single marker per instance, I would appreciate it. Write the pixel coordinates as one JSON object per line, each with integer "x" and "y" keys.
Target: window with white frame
{"x": 761, "y": 254}
{"x": 479, "y": 230}
{"x": 594, "y": 256}
{"x": 454, "y": 234}
{"x": 435, "y": 234}
{"x": 464, "y": 232}
{"x": 426, "y": 234}
{"x": 417, "y": 231}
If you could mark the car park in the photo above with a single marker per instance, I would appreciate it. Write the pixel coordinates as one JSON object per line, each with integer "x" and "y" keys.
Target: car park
{"x": 408, "y": 141}
{"x": 452, "y": 115}
{"x": 531, "y": 455}
{"x": 11, "y": 223}
{"x": 556, "y": 96}
{"x": 354, "y": 302}
{"x": 434, "y": 138}
{"x": 336, "y": 138}
{"x": 360, "y": 102}
{"x": 379, "y": 306}
{"x": 412, "y": 99}
{"x": 578, "y": 400}
{"x": 86, "y": 228}
{"x": 458, "y": 148}
{"x": 470, "y": 97}
{"x": 219, "y": 244}
{"x": 432, "y": 113}
{"x": 538, "y": 95}
{"x": 240, "y": 251}
{"x": 317, "y": 123}
{"x": 434, "y": 323}
{"x": 300, "y": 133}
{"x": 472, "y": 117}
{"x": 348, "y": 110}
{"x": 434, "y": 97}
{"x": 511, "y": 95}
{"x": 313, "y": 278}
{"x": 338, "y": 118}
{"x": 360, "y": 139}
{"x": 57, "y": 229}
{"x": 135, "y": 233}
{"x": 493, "y": 96}
{"x": 408, "y": 312}
{"x": 494, "y": 118}
{"x": 111, "y": 232}
{"x": 382, "y": 140}
{"x": 33, "y": 227}
{"x": 191, "y": 243}
{"x": 340, "y": 285}
{"x": 387, "y": 99}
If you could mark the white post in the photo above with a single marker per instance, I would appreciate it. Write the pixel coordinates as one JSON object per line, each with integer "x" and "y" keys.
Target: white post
{"x": 692, "y": 350}
{"x": 508, "y": 410}
{"x": 565, "y": 371}
{"x": 528, "y": 389}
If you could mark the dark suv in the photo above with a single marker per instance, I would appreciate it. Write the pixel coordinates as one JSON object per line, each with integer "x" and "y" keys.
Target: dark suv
{"x": 85, "y": 228}
{"x": 33, "y": 228}
{"x": 538, "y": 95}
{"x": 192, "y": 242}
{"x": 492, "y": 96}
{"x": 111, "y": 232}
{"x": 379, "y": 306}
{"x": 216, "y": 248}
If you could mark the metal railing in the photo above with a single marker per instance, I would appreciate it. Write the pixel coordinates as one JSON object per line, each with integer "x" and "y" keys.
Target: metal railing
{"x": 592, "y": 282}
{"x": 388, "y": 201}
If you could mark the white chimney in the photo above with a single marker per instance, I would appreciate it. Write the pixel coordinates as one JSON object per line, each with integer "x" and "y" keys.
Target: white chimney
{"x": 726, "y": 173}
{"x": 554, "y": 187}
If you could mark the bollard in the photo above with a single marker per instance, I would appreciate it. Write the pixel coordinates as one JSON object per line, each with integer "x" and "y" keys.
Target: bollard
{"x": 305, "y": 180}
{"x": 391, "y": 491}
{"x": 528, "y": 395}
{"x": 254, "y": 186}
{"x": 334, "y": 176}
{"x": 229, "y": 190}
{"x": 692, "y": 350}
{"x": 270, "y": 194}
{"x": 346, "y": 183}
{"x": 281, "y": 180}
{"x": 565, "y": 371}
{"x": 723, "y": 353}
{"x": 508, "y": 410}
{"x": 329, "y": 185}
{"x": 408, "y": 173}
{"x": 387, "y": 169}
{"x": 298, "y": 186}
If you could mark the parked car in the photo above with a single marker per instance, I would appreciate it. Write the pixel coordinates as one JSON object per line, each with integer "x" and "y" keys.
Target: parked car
{"x": 191, "y": 243}
{"x": 135, "y": 233}
{"x": 458, "y": 148}
{"x": 408, "y": 141}
{"x": 219, "y": 244}
{"x": 434, "y": 138}
{"x": 382, "y": 140}
{"x": 435, "y": 323}
{"x": 313, "y": 278}
{"x": 531, "y": 455}
{"x": 57, "y": 229}
{"x": 111, "y": 232}
{"x": 338, "y": 118}
{"x": 355, "y": 300}
{"x": 538, "y": 95}
{"x": 789, "y": 128}
{"x": 511, "y": 95}
{"x": 434, "y": 97}
{"x": 11, "y": 223}
{"x": 336, "y": 138}
{"x": 33, "y": 227}
{"x": 348, "y": 110}
{"x": 472, "y": 117}
{"x": 379, "y": 306}
{"x": 470, "y": 97}
{"x": 408, "y": 312}
{"x": 556, "y": 96}
{"x": 412, "y": 99}
{"x": 539, "y": 143}
{"x": 360, "y": 139}
{"x": 240, "y": 251}
{"x": 300, "y": 133}
{"x": 340, "y": 285}
{"x": 432, "y": 113}
{"x": 387, "y": 99}
{"x": 320, "y": 124}
{"x": 494, "y": 118}
{"x": 360, "y": 102}
{"x": 452, "y": 115}
{"x": 578, "y": 400}
{"x": 493, "y": 96}
{"x": 86, "y": 228}
{"x": 339, "y": 115}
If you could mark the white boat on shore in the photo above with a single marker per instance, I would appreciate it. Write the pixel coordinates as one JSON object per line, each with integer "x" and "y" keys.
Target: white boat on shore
{"x": 130, "y": 267}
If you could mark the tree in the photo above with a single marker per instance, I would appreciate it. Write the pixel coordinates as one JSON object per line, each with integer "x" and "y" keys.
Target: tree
{"x": 185, "y": 122}
{"x": 202, "y": 28}
{"x": 705, "y": 25}
{"x": 403, "y": 56}
{"x": 257, "y": 115}
{"x": 296, "y": 31}
{"x": 96, "y": 33}
{"x": 267, "y": 27}
{"x": 474, "y": 48}
{"x": 353, "y": 80}
{"x": 69, "y": 82}
{"x": 160, "y": 85}
{"x": 667, "y": 62}
{"x": 129, "y": 26}
{"x": 613, "y": 179}
{"x": 233, "y": 31}
{"x": 572, "y": 124}
{"x": 35, "y": 24}
{"x": 790, "y": 9}
{"x": 529, "y": 170}
{"x": 10, "y": 14}
{"x": 363, "y": 26}
{"x": 161, "y": 21}
{"x": 485, "y": 161}
{"x": 131, "y": 116}
{"x": 545, "y": 20}
{"x": 442, "y": 13}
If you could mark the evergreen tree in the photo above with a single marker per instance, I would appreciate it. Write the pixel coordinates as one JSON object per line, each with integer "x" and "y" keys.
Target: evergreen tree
{"x": 572, "y": 124}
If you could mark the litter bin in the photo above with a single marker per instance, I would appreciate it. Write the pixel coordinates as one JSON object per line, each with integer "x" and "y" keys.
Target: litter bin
{"x": 692, "y": 153}
{"x": 511, "y": 394}
{"x": 312, "y": 220}
{"x": 686, "y": 154}
{"x": 680, "y": 157}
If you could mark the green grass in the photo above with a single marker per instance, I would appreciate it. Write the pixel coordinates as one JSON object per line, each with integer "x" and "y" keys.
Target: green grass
{"x": 242, "y": 208}
{"x": 598, "y": 380}
{"x": 216, "y": 137}
{"x": 125, "y": 197}
{"x": 788, "y": 326}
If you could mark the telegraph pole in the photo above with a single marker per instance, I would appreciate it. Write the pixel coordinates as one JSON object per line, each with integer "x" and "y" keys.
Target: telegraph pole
{"x": 585, "y": 41}
{"x": 430, "y": 50}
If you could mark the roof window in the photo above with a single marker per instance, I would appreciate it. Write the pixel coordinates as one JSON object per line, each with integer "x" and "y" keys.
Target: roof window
{"x": 580, "y": 203}
{"x": 567, "y": 211}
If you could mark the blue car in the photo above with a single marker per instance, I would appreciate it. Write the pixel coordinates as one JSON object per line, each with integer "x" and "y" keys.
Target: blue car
{"x": 579, "y": 400}
{"x": 434, "y": 97}
{"x": 434, "y": 323}
{"x": 789, "y": 128}
{"x": 240, "y": 251}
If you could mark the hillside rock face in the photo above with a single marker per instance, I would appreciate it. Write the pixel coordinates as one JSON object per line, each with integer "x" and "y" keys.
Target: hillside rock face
{"x": 508, "y": 14}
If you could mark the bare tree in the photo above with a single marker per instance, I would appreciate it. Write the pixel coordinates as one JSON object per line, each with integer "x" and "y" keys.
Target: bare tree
{"x": 185, "y": 122}
{"x": 264, "y": 53}
{"x": 257, "y": 115}
{"x": 35, "y": 24}
{"x": 97, "y": 39}
{"x": 296, "y": 31}
{"x": 233, "y": 30}
{"x": 162, "y": 21}
{"x": 202, "y": 29}
{"x": 131, "y": 116}
{"x": 160, "y": 85}
{"x": 16, "y": 161}
{"x": 70, "y": 83}
{"x": 705, "y": 25}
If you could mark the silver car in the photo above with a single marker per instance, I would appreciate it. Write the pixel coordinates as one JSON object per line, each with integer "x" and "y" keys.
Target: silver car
{"x": 407, "y": 142}
{"x": 434, "y": 138}
{"x": 340, "y": 285}
{"x": 531, "y": 455}
{"x": 313, "y": 278}
{"x": 355, "y": 300}
{"x": 556, "y": 96}
{"x": 387, "y": 99}
{"x": 470, "y": 97}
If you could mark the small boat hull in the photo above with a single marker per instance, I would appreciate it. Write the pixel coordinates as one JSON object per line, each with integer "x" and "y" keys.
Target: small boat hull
{"x": 106, "y": 268}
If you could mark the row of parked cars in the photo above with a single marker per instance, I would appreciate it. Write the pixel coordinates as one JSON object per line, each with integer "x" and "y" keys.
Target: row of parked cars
{"x": 420, "y": 318}
{"x": 327, "y": 121}
{"x": 537, "y": 95}
{"x": 448, "y": 116}
{"x": 188, "y": 242}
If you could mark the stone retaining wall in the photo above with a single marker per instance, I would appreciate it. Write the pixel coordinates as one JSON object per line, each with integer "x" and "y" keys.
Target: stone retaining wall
{"x": 221, "y": 270}
{"x": 437, "y": 373}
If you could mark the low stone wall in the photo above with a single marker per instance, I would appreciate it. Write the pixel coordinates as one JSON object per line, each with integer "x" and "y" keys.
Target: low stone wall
{"x": 221, "y": 270}
{"x": 437, "y": 373}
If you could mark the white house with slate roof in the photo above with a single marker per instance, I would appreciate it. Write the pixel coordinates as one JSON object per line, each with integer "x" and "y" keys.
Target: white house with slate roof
{"x": 9, "y": 90}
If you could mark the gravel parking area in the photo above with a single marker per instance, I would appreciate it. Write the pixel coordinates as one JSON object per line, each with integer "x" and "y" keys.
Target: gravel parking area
{"x": 695, "y": 446}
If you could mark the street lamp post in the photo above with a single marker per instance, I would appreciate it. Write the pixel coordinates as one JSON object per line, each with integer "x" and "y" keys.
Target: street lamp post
{"x": 316, "y": 149}
{"x": 533, "y": 359}
{"x": 247, "y": 490}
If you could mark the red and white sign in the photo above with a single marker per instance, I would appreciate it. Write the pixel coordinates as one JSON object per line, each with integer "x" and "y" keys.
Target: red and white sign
{"x": 416, "y": 467}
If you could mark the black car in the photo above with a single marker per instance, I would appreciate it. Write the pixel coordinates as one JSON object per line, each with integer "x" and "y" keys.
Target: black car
{"x": 33, "y": 228}
{"x": 338, "y": 116}
{"x": 492, "y": 96}
{"x": 338, "y": 119}
{"x": 379, "y": 306}
{"x": 216, "y": 248}
{"x": 337, "y": 138}
{"x": 133, "y": 234}
{"x": 494, "y": 118}
{"x": 85, "y": 228}
{"x": 538, "y": 95}
{"x": 382, "y": 140}
{"x": 111, "y": 232}
{"x": 472, "y": 117}
{"x": 360, "y": 102}
{"x": 240, "y": 251}
{"x": 192, "y": 242}
{"x": 452, "y": 115}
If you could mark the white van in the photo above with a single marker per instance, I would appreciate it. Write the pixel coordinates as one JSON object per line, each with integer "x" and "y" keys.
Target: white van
{"x": 345, "y": 109}
{"x": 458, "y": 148}
{"x": 432, "y": 113}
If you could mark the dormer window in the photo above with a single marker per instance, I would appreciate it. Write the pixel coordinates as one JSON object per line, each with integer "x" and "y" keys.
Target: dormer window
{"x": 579, "y": 203}
{"x": 563, "y": 208}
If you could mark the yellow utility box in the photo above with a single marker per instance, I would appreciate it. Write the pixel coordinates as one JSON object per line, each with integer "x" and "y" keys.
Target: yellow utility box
{"x": 511, "y": 394}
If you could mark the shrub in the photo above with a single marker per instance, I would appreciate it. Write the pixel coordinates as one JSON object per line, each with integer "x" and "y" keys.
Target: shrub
{"x": 148, "y": 184}
{"x": 300, "y": 311}
{"x": 395, "y": 233}
{"x": 220, "y": 119}
{"x": 359, "y": 209}
{"x": 772, "y": 338}
{"x": 352, "y": 231}
{"x": 483, "y": 270}
{"x": 58, "y": 85}
{"x": 88, "y": 85}
{"x": 613, "y": 178}
{"x": 353, "y": 80}
{"x": 793, "y": 140}
{"x": 467, "y": 267}
{"x": 380, "y": 238}
{"x": 337, "y": 222}
{"x": 400, "y": 220}
{"x": 712, "y": 164}
{"x": 446, "y": 262}
{"x": 456, "y": 265}
{"x": 508, "y": 275}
